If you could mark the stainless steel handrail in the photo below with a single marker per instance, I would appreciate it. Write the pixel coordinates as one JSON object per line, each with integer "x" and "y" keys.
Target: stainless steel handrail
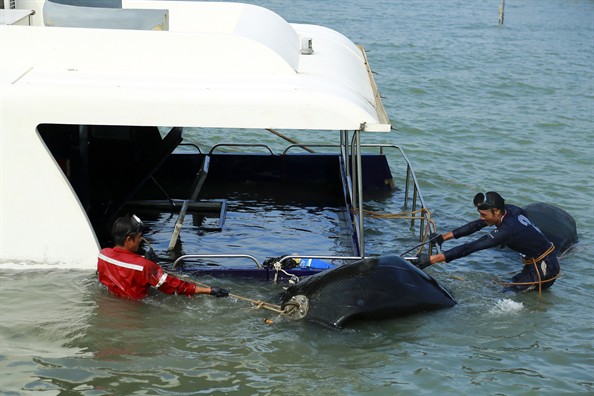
{"x": 255, "y": 260}
{"x": 353, "y": 168}
{"x": 321, "y": 257}
{"x": 216, "y": 146}
{"x": 286, "y": 150}
{"x": 187, "y": 256}
{"x": 191, "y": 145}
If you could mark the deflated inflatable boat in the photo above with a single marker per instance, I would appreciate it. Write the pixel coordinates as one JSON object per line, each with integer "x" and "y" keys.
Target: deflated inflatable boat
{"x": 558, "y": 225}
{"x": 374, "y": 288}
{"x": 389, "y": 286}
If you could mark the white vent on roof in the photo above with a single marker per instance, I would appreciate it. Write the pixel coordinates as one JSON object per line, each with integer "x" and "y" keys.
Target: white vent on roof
{"x": 306, "y": 46}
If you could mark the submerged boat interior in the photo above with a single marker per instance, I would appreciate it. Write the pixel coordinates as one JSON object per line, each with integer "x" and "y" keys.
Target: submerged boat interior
{"x": 186, "y": 144}
{"x": 227, "y": 201}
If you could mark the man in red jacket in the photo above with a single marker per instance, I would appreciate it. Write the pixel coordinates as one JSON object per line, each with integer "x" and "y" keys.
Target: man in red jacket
{"x": 128, "y": 274}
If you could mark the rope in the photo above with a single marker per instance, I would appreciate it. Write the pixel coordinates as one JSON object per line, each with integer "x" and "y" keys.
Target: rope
{"x": 535, "y": 261}
{"x": 258, "y": 303}
{"x": 541, "y": 257}
{"x": 403, "y": 215}
{"x": 568, "y": 250}
{"x": 539, "y": 282}
{"x": 425, "y": 215}
{"x": 279, "y": 268}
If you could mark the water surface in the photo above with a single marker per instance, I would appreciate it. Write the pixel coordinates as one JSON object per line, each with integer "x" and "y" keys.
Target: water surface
{"x": 478, "y": 107}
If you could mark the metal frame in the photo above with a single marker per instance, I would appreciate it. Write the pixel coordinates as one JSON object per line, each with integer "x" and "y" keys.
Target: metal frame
{"x": 350, "y": 155}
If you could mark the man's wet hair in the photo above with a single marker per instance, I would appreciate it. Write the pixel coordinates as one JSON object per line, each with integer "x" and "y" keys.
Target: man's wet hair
{"x": 490, "y": 200}
{"x": 124, "y": 226}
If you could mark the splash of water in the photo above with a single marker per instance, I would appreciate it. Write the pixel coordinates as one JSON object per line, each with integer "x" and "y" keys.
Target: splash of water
{"x": 505, "y": 306}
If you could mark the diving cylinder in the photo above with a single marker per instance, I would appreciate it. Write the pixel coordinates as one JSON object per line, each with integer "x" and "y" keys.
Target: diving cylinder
{"x": 313, "y": 263}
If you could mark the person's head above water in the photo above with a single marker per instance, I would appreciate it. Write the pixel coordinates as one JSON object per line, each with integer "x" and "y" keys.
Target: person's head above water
{"x": 126, "y": 226}
{"x": 491, "y": 207}
{"x": 490, "y": 200}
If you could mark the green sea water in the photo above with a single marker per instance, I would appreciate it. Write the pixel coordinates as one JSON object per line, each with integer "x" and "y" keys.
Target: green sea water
{"x": 477, "y": 106}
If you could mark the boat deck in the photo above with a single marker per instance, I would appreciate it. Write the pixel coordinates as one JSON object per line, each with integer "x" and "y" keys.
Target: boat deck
{"x": 262, "y": 205}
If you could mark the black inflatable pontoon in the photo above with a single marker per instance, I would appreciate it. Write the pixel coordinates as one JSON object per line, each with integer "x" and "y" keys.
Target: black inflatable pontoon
{"x": 558, "y": 225}
{"x": 374, "y": 288}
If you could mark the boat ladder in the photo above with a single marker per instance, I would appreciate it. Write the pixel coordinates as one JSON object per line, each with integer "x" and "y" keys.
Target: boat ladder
{"x": 198, "y": 183}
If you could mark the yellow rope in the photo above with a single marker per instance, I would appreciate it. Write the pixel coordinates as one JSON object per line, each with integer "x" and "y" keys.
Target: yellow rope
{"x": 403, "y": 215}
{"x": 425, "y": 215}
{"x": 539, "y": 282}
{"x": 550, "y": 250}
{"x": 535, "y": 261}
{"x": 569, "y": 249}
{"x": 258, "y": 304}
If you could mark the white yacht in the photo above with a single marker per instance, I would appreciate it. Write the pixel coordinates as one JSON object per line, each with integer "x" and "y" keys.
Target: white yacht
{"x": 97, "y": 102}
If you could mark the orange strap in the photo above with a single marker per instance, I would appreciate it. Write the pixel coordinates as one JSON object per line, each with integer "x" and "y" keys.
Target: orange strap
{"x": 529, "y": 261}
{"x": 535, "y": 261}
{"x": 539, "y": 282}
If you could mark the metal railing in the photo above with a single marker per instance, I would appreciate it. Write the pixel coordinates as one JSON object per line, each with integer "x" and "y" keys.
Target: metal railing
{"x": 350, "y": 154}
{"x": 255, "y": 260}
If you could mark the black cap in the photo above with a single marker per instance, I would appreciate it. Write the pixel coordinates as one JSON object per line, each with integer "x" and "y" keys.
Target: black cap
{"x": 490, "y": 200}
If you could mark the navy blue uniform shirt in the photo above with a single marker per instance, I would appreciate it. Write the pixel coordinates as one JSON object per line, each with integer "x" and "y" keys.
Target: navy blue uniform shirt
{"x": 516, "y": 231}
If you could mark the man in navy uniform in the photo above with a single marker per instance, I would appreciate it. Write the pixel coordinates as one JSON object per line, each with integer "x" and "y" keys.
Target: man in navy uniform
{"x": 514, "y": 230}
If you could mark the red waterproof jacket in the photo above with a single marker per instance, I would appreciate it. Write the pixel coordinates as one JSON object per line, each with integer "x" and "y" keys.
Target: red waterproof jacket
{"x": 130, "y": 275}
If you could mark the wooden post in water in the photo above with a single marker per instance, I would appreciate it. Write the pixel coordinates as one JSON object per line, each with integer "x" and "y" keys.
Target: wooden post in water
{"x": 501, "y": 12}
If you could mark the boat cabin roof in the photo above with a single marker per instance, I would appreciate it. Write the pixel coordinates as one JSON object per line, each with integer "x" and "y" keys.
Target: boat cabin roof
{"x": 225, "y": 65}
